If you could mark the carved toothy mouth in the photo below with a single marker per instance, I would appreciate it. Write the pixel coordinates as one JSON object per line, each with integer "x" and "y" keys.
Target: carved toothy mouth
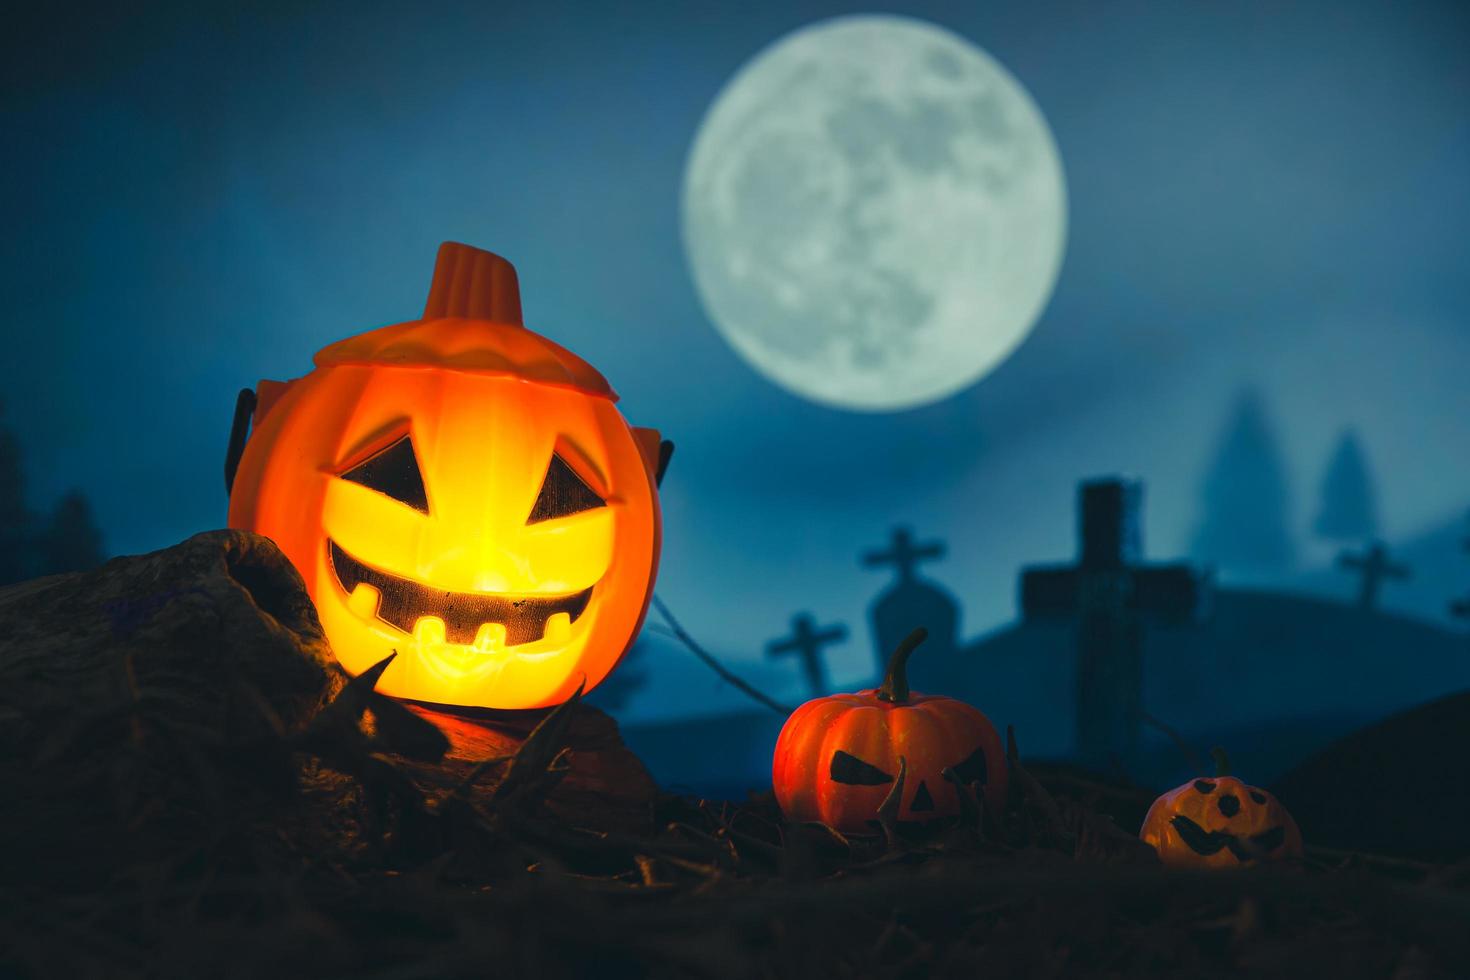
{"x": 401, "y": 603}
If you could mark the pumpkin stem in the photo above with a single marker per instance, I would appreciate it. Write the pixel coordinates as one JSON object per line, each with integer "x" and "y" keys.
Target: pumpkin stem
{"x": 895, "y": 687}
{"x": 1222, "y": 761}
{"x": 475, "y": 284}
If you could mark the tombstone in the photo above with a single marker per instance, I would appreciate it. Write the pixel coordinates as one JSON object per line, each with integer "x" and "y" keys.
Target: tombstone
{"x": 911, "y": 601}
{"x": 1375, "y": 566}
{"x": 806, "y": 642}
{"x": 1111, "y": 595}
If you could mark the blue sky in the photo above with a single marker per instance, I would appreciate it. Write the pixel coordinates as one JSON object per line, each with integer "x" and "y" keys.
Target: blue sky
{"x": 1268, "y": 195}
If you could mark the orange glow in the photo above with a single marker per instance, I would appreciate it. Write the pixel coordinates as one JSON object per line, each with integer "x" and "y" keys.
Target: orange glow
{"x": 487, "y": 600}
{"x": 1220, "y": 822}
{"x": 838, "y": 757}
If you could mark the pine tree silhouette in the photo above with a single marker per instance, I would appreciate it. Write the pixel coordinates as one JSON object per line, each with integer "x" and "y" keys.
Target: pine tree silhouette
{"x": 71, "y": 541}
{"x": 16, "y": 552}
{"x": 1245, "y": 496}
{"x": 1349, "y": 510}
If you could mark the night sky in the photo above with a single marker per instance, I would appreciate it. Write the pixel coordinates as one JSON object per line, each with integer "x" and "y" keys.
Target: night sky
{"x": 1263, "y": 197}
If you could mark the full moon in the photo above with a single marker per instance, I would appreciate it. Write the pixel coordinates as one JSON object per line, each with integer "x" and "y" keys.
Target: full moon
{"x": 874, "y": 212}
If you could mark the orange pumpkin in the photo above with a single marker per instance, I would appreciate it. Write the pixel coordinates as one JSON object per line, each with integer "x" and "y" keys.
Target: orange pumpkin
{"x": 837, "y": 757}
{"x": 461, "y": 491}
{"x": 1220, "y": 822}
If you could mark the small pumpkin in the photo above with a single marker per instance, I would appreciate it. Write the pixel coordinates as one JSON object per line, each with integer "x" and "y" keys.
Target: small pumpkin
{"x": 838, "y": 757}
{"x": 461, "y": 491}
{"x": 1220, "y": 822}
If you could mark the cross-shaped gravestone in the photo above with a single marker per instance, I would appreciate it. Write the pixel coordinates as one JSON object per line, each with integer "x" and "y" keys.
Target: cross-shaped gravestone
{"x": 806, "y": 642}
{"x": 911, "y": 601}
{"x": 903, "y": 554}
{"x": 1108, "y": 592}
{"x": 1375, "y": 566}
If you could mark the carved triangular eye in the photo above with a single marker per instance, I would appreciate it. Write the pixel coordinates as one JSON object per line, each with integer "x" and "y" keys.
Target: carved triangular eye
{"x": 855, "y": 772}
{"x": 394, "y": 472}
{"x": 975, "y": 768}
{"x": 562, "y": 493}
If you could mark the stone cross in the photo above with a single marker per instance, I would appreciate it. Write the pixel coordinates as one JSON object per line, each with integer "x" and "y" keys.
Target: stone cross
{"x": 1108, "y": 593}
{"x": 1376, "y": 567}
{"x": 806, "y": 642}
{"x": 903, "y": 554}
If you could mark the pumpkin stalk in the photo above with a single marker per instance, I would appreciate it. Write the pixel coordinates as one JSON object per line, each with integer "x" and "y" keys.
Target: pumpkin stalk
{"x": 1222, "y": 761}
{"x": 895, "y": 689}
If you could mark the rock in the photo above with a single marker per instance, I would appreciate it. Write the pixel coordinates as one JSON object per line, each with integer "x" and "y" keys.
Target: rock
{"x": 208, "y": 624}
{"x": 126, "y": 696}
{"x": 173, "y": 703}
{"x": 222, "y": 607}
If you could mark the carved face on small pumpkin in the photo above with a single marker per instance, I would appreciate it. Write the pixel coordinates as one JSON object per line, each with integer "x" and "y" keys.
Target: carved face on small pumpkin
{"x": 838, "y": 757}
{"x": 1220, "y": 822}
{"x": 461, "y": 491}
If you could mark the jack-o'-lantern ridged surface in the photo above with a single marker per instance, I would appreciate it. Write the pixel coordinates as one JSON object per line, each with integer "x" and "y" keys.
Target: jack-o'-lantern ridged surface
{"x": 837, "y": 757}
{"x": 466, "y": 494}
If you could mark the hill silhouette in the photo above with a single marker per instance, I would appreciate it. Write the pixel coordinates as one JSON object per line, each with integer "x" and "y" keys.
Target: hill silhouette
{"x": 1273, "y": 677}
{"x": 1394, "y": 786}
{"x": 1439, "y": 559}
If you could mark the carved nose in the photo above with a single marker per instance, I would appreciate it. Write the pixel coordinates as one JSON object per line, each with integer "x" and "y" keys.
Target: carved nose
{"x": 1229, "y": 805}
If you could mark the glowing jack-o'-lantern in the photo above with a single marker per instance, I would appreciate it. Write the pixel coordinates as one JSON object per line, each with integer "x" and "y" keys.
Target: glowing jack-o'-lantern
{"x": 1220, "y": 822}
{"x": 461, "y": 491}
{"x": 838, "y": 757}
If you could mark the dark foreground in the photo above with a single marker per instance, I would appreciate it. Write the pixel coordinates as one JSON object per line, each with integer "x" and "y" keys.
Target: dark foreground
{"x": 189, "y": 790}
{"x": 356, "y": 867}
